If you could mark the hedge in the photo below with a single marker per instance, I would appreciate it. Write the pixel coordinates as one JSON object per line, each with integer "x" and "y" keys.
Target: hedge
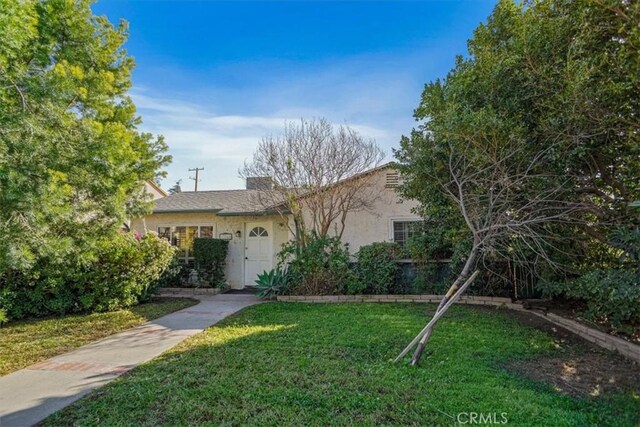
{"x": 210, "y": 258}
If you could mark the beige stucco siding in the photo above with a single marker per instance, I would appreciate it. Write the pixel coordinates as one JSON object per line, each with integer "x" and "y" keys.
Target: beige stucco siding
{"x": 222, "y": 224}
{"x": 151, "y": 189}
{"x": 374, "y": 225}
{"x": 362, "y": 227}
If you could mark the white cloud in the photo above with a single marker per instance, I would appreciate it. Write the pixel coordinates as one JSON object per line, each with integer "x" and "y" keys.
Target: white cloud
{"x": 217, "y": 126}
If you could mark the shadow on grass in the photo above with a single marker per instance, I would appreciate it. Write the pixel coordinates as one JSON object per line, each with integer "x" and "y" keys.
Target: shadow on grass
{"x": 299, "y": 364}
{"x": 26, "y": 342}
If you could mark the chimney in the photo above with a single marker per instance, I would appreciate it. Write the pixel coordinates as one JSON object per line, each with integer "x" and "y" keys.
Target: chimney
{"x": 259, "y": 183}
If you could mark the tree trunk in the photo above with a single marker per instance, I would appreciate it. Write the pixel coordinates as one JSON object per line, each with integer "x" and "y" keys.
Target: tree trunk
{"x": 437, "y": 316}
{"x": 462, "y": 278}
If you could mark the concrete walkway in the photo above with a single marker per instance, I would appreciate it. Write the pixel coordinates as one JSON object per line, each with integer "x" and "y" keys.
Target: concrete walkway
{"x": 32, "y": 394}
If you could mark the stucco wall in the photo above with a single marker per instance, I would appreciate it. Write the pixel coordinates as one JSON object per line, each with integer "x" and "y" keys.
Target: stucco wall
{"x": 150, "y": 189}
{"x": 374, "y": 225}
{"x": 362, "y": 228}
{"x": 235, "y": 259}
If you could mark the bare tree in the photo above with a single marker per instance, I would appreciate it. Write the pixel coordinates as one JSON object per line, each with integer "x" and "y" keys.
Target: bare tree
{"x": 319, "y": 174}
{"x": 507, "y": 204}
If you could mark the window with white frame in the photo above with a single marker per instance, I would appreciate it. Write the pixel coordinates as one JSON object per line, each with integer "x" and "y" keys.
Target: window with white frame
{"x": 182, "y": 236}
{"x": 403, "y": 230}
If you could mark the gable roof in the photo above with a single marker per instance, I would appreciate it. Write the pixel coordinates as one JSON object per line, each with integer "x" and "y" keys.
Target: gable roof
{"x": 221, "y": 202}
{"x": 232, "y": 202}
{"x": 156, "y": 187}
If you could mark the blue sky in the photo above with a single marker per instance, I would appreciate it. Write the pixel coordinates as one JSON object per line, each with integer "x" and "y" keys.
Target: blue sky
{"x": 214, "y": 77}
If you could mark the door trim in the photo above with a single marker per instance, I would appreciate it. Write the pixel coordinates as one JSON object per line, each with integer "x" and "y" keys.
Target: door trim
{"x": 248, "y": 226}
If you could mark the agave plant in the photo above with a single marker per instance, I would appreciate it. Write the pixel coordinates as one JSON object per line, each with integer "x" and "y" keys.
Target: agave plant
{"x": 272, "y": 283}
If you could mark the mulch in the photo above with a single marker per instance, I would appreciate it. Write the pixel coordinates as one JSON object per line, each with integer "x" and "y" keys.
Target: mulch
{"x": 582, "y": 369}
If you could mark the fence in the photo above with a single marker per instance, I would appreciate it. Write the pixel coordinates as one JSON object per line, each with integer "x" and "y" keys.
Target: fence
{"x": 499, "y": 279}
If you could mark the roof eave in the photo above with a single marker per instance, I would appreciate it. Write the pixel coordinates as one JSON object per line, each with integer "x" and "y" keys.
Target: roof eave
{"x": 254, "y": 213}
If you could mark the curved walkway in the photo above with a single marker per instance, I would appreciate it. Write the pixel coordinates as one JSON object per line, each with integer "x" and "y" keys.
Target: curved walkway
{"x": 32, "y": 394}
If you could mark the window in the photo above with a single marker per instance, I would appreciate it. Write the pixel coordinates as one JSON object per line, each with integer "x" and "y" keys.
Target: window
{"x": 258, "y": 232}
{"x": 183, "y": 236}
{"x": 206, "y": 231}
{"x": 164, "y": 233}
{"x": 404, "y": 230}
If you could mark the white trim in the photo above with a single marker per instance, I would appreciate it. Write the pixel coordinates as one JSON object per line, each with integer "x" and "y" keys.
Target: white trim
{"x": 267, "y": 225}
{"x": 172, "y": 230}
{"x": 401, "y": 219}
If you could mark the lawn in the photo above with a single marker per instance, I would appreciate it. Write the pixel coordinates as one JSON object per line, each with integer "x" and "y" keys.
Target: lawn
{"x": 24, "y": 343}
{"x": 317, "y": 364}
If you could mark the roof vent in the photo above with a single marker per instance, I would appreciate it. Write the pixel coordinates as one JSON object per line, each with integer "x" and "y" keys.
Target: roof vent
{"x": 259, "y": 183}
{"x": 393, "y": 179}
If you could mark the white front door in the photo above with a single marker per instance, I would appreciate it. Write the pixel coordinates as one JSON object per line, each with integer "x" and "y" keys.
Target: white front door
{"x": 258, "y": 251}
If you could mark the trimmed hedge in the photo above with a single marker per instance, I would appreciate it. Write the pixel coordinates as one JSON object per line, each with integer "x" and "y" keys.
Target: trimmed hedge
{"x": 210, "y": 258}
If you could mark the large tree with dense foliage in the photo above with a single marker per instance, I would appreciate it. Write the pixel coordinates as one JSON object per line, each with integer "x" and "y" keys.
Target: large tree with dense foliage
{"x": 72, "y": 163}
{"x": 536, "y": 131}
{"x": 561, "y": 77}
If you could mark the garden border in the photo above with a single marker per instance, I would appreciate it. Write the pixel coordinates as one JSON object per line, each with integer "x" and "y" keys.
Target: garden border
{"x": 602, "y": 339}
{"x": 464, "y": 299}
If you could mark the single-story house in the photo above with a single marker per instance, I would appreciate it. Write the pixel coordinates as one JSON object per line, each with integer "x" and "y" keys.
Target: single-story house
{"x": 255, "y": 235}
{"x": 154, "y": 190}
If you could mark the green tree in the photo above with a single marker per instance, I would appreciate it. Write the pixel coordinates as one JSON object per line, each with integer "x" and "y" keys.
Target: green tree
{"x": 533, "y": 139}
{"x": 72, "y": 162}
{"x": 553, "y": 76}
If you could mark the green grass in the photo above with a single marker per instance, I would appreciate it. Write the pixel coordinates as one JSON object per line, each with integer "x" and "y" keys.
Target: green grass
{"x": 316, "y": 364}
{"x": 24, "y": 343}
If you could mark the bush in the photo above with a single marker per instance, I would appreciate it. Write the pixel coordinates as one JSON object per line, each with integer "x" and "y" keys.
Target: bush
{"x": 175, "y": 274}
{"x": 123, "y": 272}
{"x": 322, "y": 267}
{"x": 609, "y": 295}
{"x": 377, "y": 268}
{"x": 210, "y": 257}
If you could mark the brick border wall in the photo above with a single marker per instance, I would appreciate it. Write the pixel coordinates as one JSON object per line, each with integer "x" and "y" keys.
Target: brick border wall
{"x": 494, "y": 301}
{"x": 626, "y": 348}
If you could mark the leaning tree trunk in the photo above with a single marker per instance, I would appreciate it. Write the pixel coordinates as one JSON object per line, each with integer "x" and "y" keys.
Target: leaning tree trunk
{"x": 459, "y": 285}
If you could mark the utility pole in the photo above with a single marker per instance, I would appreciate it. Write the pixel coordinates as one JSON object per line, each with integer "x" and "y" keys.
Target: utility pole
{"x": 196, "y": 177}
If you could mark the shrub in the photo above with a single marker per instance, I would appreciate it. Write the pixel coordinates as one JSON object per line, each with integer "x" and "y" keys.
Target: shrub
{"x": 123, "y": 272}
{"x": 175, "y": 274}
{"x": 609, "y": 295}
{"x": 272, "y": 283}
{"x": 210, "y": 257}
{"x": 377, "y": 267}
{"x": 322, "y": 267}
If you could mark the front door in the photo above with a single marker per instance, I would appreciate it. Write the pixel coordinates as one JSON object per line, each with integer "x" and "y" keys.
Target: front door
{"x": 258, "y": 251}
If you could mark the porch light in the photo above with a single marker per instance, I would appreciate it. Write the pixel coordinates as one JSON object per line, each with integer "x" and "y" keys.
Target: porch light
{"x": 238, "y": 233}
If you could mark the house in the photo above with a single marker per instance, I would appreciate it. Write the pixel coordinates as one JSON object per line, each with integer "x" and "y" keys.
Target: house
{"x": 255, "y": 235}
{"x": 155, "y": 190}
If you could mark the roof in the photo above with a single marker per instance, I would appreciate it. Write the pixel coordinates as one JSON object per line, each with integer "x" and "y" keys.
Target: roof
{"x": 221, "y": 202}
{"x": 232, "y": 202}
